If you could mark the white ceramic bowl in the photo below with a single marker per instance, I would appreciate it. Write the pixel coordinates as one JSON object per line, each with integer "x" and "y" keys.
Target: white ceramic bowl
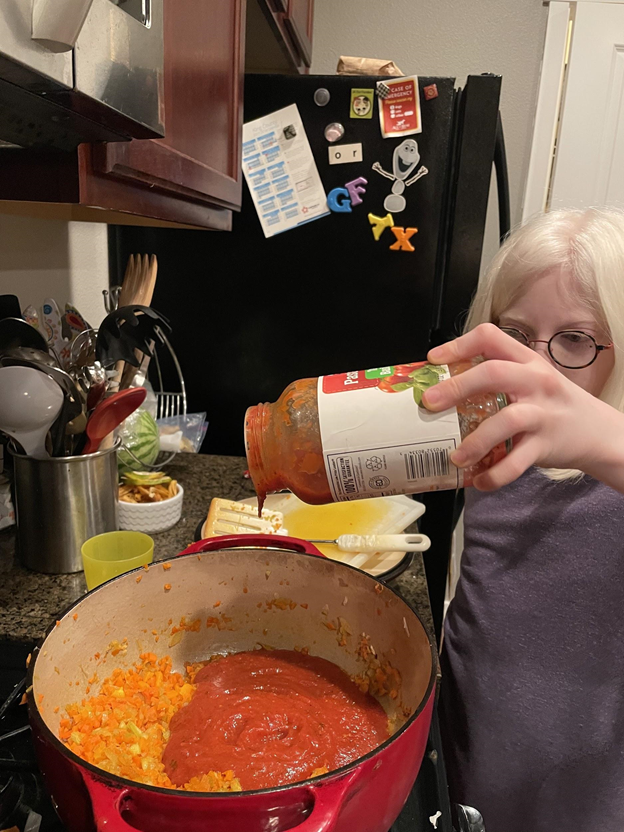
{"x": 150, "y": 517}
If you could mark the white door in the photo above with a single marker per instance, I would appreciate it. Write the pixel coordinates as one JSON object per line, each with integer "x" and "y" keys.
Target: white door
{"x": 577, "y": 157}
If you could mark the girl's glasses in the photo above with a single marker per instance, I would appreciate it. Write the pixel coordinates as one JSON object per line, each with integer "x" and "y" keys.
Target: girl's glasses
{"x": 569, "y": 348}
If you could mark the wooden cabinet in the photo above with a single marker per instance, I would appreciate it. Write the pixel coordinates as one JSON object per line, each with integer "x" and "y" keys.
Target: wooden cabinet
{"x": 200, "y": 157}
{"x": 279, "y": 35}
{"x": 299, "y": 21}
{"x": 192, "y": 176}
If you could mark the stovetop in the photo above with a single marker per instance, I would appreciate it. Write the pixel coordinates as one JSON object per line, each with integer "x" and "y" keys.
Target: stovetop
{"x": 25, "y": 804}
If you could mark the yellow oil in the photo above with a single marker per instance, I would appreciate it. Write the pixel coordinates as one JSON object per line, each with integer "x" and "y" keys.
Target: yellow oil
{"x": 329, "y": 522}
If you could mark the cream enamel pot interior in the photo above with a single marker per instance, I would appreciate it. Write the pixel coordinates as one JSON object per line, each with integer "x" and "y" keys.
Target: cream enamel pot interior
{"x": 365, "y": 796}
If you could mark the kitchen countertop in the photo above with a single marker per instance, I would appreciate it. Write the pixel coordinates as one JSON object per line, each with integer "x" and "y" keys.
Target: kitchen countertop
{"x": 30, "y": 601}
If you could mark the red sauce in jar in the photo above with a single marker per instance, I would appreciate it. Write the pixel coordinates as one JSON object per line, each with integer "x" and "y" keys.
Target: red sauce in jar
{"x": 272, "y": 717}
{"x": 285, "y": 449}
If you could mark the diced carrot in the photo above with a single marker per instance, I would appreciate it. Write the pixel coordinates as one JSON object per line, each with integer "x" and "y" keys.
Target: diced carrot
{"x": 75, "y": 616}
{"x": 166, "y": 566}
{"x": 139, "y": 578}
{"x": 167, "y": 587}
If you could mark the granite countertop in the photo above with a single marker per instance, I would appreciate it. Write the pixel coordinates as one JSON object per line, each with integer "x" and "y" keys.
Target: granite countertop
{"x": 30, "y": 601}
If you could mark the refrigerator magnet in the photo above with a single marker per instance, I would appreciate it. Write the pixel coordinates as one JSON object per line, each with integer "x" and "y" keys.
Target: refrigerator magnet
{"x": 399, "y": 110}
{"x": 340, "y": 200}
{"x": 403, "y": 236}
{"x": 344, "y": 154}
{"x": 405, "y": 159}
{"x": 321, "y": 97}
{"x": 380, "y": 224}
{"x": 362, "y": 103}
{"x": 334, "y": 131}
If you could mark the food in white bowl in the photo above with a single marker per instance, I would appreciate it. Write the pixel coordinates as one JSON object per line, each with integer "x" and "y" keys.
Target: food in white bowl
{"x": 149, "y": 502}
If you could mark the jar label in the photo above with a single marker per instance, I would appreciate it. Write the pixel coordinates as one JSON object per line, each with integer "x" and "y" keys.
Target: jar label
{"x": 377, "y": 438}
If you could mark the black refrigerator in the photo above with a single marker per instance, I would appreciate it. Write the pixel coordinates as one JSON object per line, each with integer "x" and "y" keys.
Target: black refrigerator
{"x": 251, "y": 314}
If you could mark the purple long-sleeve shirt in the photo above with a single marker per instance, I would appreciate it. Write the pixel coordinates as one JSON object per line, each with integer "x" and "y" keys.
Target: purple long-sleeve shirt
{"x": 532, "y": 698}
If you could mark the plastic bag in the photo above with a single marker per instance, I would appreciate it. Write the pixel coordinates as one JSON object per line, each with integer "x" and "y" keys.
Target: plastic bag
{"x": 182, "y": 433}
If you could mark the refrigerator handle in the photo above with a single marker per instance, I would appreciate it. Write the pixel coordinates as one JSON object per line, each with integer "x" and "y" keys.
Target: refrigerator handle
{"x": 502, "y": 180}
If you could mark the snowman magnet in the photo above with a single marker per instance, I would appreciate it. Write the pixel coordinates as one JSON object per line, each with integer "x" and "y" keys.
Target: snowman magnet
{"x": 404, "y": 160}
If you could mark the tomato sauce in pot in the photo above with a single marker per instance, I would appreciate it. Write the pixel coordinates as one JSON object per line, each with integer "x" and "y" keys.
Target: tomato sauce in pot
{"x": 272, "y": 717}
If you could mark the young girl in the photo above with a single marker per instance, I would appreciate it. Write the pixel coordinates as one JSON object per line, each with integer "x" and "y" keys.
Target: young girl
{"x": 532, "y": 698}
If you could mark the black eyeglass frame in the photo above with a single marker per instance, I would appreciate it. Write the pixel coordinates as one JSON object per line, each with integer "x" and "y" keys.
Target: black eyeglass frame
{"x": 528, "y": 341}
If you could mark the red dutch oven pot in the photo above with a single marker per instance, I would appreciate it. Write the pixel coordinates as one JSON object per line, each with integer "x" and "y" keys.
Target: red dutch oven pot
{"x": 365, "y": 796}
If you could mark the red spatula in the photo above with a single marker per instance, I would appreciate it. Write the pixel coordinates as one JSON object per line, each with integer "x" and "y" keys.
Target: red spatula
{"x": 110, "y": 413}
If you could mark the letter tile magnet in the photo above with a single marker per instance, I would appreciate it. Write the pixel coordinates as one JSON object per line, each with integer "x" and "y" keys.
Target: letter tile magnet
{"x": 362, "y": 103}
{"x": 403, "y": 236}
{"x": 380, "y": 224}
{"x": 338, "y": 201}
{"x": 404, "y": 161}
{"x": 355, "y": 188}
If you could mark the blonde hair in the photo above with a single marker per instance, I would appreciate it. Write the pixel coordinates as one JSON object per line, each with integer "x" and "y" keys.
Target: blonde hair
{"x": 588, "y": 246}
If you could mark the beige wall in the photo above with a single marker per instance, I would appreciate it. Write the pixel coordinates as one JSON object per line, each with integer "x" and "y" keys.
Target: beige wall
{"x": 52, "y": 258}
{"x": 448, "y": 37}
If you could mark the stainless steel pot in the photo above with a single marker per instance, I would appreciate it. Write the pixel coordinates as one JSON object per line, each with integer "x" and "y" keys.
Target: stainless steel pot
{"x": 364, "y": 796}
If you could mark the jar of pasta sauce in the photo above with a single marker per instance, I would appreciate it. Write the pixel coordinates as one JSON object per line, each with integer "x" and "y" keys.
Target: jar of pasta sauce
{"x": 364, "y": 434}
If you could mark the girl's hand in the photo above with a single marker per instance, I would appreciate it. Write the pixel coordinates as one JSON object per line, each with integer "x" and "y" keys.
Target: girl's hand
{"x": 553, "y": 422}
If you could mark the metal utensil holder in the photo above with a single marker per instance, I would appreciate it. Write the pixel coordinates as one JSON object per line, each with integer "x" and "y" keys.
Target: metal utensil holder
{"x": 59, "y": 503}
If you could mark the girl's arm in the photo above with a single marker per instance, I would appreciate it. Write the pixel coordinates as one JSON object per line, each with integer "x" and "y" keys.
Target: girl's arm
{"x": 553, "y": 422}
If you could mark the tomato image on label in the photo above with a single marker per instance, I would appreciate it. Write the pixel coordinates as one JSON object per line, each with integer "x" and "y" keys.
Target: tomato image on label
{"x": 415, "y": 377}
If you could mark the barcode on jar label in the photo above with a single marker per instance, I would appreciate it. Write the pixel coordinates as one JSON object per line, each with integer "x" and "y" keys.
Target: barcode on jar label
{"x": 423, "y": 464}
{"x": 402, "y": 469}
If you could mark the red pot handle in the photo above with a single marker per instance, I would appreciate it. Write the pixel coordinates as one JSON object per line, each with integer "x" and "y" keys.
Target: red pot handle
{"x": 328, "y": 801}
{"x": 106, "y": 802}
{"x": 237, "y": 541}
